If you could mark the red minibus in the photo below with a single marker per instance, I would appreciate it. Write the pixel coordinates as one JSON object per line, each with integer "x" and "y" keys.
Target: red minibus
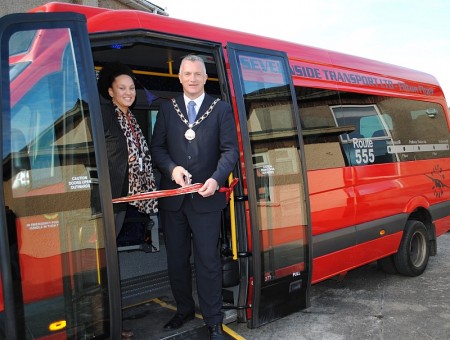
{"x": 343, "y": 161}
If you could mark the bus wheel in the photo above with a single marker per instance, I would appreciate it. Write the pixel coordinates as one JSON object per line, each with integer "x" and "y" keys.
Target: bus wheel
{"x": 387, "y": 265}
{"x": 414, "y": 251}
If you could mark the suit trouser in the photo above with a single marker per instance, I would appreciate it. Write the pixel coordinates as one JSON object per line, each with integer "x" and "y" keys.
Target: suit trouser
{"x": 178, "y": 226}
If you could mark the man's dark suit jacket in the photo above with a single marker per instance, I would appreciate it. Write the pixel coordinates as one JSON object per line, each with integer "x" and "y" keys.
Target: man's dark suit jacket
{"x": 213, "y": 153}
{"x": 117, "y": 150}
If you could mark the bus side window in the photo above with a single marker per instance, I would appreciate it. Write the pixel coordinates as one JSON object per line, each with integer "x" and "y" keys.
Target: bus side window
{"x": 368, "y": 143}
{"x": 379, "y": 133}
{"x": 378, "y": 128}
{"x": 320, "y": 137}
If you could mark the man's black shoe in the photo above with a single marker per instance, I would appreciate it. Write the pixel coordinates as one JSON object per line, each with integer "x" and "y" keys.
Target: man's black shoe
{"x": 215, "y": 332}
{"x": 178, "y": 320}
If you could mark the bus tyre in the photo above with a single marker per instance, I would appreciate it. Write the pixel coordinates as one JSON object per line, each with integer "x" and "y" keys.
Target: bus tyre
{"x": 414, "y": 251}
{"x": 387, "y": 265}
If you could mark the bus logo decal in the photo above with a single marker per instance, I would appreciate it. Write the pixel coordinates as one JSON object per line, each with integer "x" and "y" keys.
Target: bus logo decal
{"x": 437, "y": 176}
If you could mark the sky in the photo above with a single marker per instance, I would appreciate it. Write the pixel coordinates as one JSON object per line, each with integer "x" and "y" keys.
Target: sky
{"x": 409, "y": 33}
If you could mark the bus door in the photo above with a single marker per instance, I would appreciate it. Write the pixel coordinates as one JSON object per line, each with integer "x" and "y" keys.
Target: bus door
{"x": 276, "y": 183}
{"x": 52, "y": 245}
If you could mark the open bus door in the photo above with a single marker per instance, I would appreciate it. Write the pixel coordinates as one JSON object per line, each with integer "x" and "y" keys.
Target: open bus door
{"x": 276, "y": 183}
{"x": 59, "y": 272}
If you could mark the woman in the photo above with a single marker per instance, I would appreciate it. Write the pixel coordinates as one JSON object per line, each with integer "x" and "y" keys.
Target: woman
{"x": 129, "y": 159}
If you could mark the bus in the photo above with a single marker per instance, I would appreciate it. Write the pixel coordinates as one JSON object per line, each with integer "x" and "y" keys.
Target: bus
{"x": 344, "y": 161}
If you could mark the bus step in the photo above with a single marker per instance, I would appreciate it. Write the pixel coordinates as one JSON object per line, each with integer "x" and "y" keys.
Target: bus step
{"x": 147, "y": 321}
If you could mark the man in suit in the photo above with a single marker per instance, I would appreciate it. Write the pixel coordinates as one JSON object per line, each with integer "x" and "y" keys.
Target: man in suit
{"x": 200, "y": 149}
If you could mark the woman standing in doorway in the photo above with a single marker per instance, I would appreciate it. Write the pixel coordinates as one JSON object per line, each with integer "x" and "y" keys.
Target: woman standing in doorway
{"x": 129, "y": 159}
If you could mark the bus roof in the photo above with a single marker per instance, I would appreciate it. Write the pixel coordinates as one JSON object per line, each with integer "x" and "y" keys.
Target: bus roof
{"x": 106, "y": 20}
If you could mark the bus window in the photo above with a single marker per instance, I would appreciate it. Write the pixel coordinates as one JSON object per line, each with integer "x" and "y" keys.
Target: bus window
{"x": 278, "y": 199}
{"x": 22, "y": 44}
{"x": 277, "y": 171}
{"x": 420, "y": 129}
{"x": 356, "y": 129}
{"x": 50, "y": 196}
{"x": 319, "y": 129}
{"x": 367, "y": 144}
{"x": 375, "y": 125}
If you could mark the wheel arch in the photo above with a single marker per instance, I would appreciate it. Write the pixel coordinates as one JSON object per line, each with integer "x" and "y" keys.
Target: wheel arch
{"x": 422, "y": 214}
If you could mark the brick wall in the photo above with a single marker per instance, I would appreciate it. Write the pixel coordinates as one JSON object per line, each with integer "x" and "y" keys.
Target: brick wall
{"x": 16, "y": 6}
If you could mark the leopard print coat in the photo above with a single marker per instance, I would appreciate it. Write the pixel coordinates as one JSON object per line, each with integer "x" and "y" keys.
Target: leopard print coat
{"x": 140, "y": 172}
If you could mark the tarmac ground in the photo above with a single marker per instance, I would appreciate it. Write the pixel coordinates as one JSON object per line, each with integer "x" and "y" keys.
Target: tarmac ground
{"x": 370, "y": 304}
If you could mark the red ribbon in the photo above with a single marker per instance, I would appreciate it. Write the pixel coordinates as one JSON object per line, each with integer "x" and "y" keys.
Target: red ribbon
{"x": 189, "y": 189}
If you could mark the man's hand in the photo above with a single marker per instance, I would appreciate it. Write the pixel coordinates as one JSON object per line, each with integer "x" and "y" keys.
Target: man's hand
{"x": 209, "y": 188}
{"x": 181, "y": 176}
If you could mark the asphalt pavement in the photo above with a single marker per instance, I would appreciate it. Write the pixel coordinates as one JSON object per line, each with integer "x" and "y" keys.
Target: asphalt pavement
{"x": 369, "y": 304}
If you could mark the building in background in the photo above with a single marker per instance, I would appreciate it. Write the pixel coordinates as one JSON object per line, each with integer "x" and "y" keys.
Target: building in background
{"x": 14, "y": 6}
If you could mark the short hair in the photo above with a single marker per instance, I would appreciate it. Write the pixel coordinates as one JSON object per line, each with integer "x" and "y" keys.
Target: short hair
{"x": 193, "y": 58}
{"x": 109, "y": 73}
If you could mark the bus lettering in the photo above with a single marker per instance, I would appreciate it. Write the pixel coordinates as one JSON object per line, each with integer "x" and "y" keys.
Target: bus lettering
{"x": 364, "y": 153}
{"x": 362, "y": 143}
{"x": 307, "y": 72}
{"x": 261, "y": 70}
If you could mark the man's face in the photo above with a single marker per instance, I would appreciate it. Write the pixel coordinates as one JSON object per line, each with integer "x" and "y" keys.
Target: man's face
{"x": 193, "y": 78}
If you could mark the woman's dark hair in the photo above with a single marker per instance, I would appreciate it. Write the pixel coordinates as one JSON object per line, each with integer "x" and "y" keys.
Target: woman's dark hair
{"x": 108, "y": 73}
